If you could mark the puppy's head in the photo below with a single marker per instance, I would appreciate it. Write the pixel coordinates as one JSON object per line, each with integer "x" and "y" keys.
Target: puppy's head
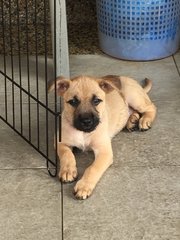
{"x": 84, "y": 99}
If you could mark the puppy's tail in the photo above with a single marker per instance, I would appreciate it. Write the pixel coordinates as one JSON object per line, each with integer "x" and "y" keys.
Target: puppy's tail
{"x": 148, "y": 85}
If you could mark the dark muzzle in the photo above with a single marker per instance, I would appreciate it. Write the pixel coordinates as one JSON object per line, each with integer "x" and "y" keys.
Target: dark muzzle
{"x": 86, "y": 122}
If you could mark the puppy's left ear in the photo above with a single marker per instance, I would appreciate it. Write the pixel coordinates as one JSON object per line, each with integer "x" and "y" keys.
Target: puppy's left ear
{"x": 109, "y": 83}
{"x": 61, "y": 84}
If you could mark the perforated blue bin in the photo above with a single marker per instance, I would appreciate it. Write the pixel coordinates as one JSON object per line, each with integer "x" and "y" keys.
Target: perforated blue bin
{"x": 139, "y": 29}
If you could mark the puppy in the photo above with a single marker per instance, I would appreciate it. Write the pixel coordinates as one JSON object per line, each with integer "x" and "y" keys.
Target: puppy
{"x": 95, "y": 109}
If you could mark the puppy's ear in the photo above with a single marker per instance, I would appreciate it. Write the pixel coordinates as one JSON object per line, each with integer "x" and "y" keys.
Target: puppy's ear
{"x": 110, "y": 82}
{"x": 61, "y": 83}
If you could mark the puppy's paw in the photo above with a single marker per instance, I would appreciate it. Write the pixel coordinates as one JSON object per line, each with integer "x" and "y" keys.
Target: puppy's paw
{"x": 145, "y": 123}
{"x": 68, "y": 174}
{"x": 83, "y": 189}
{"x": 132, "y": 123}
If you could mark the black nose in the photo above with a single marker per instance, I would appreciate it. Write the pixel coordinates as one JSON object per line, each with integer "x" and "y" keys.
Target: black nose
{"x": 86, "y": 122}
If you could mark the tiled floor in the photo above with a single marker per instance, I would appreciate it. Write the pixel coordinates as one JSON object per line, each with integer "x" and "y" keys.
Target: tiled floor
{"x": 137, "y": 198}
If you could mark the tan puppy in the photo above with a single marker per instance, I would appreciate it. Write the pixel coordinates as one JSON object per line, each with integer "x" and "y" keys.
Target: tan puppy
{"x": 95, "y": 109}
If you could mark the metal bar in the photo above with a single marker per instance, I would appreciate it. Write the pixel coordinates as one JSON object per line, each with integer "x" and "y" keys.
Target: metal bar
{"x": 55, "y": 76}
{"x": 37, "y": 76}
{"x": 12, "y": 62}
{"x": 59, "y": 33}
{"x": 19, "y": 62}
{"x": 28, "y": 70}
{"x": 46, "y": 79}
{"x": 53, "y": 19}
{"x": 4, "y": 53}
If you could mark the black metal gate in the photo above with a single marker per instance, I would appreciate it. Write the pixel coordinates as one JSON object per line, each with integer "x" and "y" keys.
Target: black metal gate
{"x": 33, "y": 50}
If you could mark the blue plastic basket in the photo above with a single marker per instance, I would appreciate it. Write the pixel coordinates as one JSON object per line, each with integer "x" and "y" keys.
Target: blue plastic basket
{"x": 139, "y": 29}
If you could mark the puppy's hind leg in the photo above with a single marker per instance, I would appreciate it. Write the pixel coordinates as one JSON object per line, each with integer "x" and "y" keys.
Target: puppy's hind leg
{"x": 147, "y": 110}
{"x": 133, "y": 122}
{"x": 137, "y": 99}
{"x": 150, "y": 114}
{"x": 147, "y": 118}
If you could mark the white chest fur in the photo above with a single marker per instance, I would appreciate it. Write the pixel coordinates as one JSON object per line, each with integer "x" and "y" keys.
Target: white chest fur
{"x": 75, "y": 138}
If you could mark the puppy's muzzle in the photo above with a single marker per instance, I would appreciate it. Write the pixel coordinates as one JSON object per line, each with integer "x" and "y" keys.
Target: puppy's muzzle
{"x": 86, "y": 122}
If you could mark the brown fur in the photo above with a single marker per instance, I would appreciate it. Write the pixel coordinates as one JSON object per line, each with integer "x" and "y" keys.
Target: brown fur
{"x": 123, "y": 103}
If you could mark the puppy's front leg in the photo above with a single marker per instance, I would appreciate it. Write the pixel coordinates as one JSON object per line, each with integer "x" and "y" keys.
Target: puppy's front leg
{"x": 68, "y": 170}
{"x": 103, "y": 159}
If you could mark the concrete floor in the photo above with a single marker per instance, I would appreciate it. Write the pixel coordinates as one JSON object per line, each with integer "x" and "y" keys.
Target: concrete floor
{"x": 137, "y": 198}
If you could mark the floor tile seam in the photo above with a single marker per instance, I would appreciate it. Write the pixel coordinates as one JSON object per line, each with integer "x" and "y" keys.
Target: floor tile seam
{"x": 23, "y": 168}
{"x": 165, "y": 101}
{"x": 148, "y": 166}
{"x": 122, "y": 166}
{"x": 176, "y": 65}
{"x": 62, "y": 211}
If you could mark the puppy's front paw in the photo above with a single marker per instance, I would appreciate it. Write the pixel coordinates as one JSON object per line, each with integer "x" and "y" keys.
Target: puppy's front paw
{"x": 83, "y": 189}
{"x": 68, "y": 174}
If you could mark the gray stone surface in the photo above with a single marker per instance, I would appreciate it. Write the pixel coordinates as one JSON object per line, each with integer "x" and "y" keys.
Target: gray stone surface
{"x": 15, "y": 153}
{"x": 137, "y": 198}
{"x": 129, "y": 203}
{"x": 30, "y": 205}
{"x": 163, "y": 72}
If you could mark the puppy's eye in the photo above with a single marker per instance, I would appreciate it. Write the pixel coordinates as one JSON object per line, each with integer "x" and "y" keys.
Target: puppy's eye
{"x": 74, "y": 102}
{"x": 96, "y": 101}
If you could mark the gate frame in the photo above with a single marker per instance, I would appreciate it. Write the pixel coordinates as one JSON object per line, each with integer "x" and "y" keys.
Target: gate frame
{"x": 61, "y": 67}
